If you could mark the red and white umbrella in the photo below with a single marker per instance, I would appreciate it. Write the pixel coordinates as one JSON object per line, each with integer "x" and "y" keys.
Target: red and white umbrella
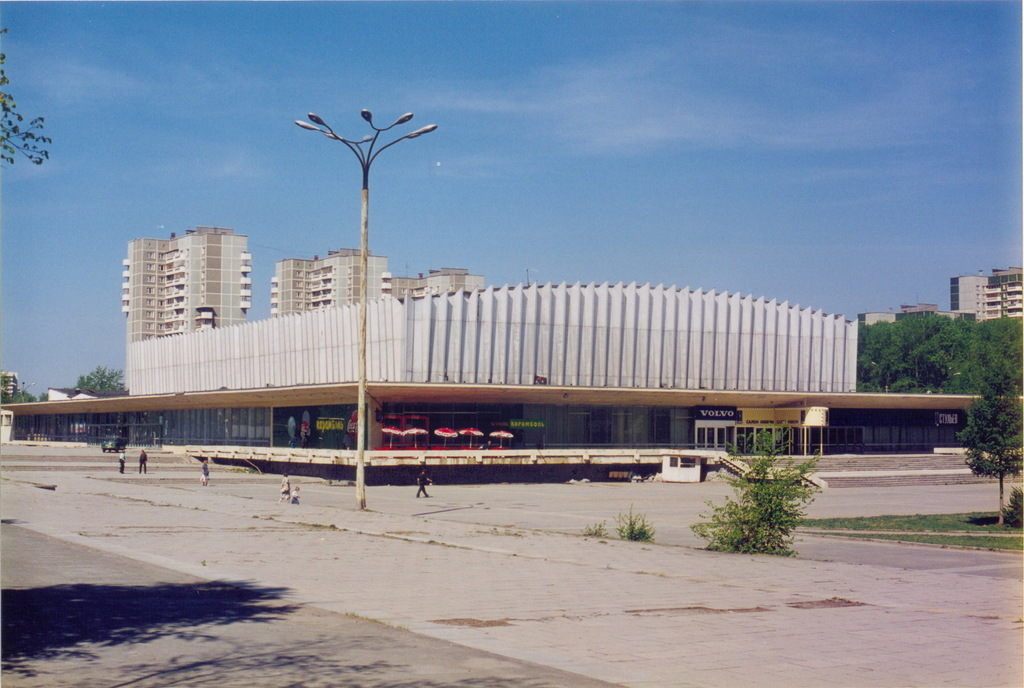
{"x": 502, "y": 435}
{"x": 391, "y": 432}
{"x": 471, "y": 432}
{"x": 446, "y": 433}
{"x": 414, "y": 432}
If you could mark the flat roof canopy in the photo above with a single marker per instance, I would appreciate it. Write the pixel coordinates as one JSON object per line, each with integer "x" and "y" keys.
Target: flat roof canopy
{"x": 308, "y": 395}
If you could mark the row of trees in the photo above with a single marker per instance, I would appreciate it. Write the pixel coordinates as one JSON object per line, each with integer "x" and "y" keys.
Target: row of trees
{"x": 932, "y": 353}
{"x": 100, "y": 378}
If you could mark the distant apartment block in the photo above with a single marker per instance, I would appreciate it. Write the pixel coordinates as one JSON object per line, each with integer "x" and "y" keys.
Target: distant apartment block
{"x": 443, "y": 281}
{"x": 9, "y": 380}
{"x": 195, "y": 281}
{"x": 988, "y": 297}
{"x": 909, "y": 311}
{"x": 303, "y": 285}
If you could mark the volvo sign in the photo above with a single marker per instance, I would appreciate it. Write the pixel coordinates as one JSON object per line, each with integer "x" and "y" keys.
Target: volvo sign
{"x": 720, "y": 413}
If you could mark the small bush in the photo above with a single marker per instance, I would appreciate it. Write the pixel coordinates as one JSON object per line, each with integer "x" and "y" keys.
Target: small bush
{"x": 596, "y": 530}
{"x": 1013, "y": 512}
{"x": 634, "y": 527}
{"x": 768, "y": 504}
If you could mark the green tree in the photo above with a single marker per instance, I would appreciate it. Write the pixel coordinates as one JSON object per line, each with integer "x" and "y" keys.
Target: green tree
{"x": 15, "y": 136}
{"x": 769, "y": 500}
{"x": 992, "y": 436}
{"x": 105, "y": 379}
{"x": 18, "y": 396}
{"x": 932, "y": 353}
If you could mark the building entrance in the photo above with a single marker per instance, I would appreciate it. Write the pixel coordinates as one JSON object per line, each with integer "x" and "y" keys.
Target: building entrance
{"x": 715, "y": 436}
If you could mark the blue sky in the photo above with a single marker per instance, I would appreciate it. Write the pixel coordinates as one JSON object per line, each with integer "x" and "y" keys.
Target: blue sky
{"x": 842, "y": 156}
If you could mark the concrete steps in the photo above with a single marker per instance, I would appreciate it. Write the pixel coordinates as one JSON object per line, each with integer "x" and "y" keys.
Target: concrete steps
{"x": 881, "y": 480}
{"x": 895, "y": 470}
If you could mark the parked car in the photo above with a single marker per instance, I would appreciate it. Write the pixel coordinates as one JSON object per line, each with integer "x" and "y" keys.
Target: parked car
{"x": 114, "y": 444}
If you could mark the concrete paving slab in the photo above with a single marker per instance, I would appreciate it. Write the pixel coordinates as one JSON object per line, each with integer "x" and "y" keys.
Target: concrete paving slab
{"x": 504, "y": 570}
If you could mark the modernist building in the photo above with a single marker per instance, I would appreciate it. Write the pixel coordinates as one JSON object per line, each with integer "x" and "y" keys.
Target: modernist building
{"x": 602, "y": 366}
{"x": 196, "y": 281}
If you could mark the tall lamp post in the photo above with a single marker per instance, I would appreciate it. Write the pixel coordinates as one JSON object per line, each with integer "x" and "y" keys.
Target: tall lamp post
{"x": 366, "y": 152}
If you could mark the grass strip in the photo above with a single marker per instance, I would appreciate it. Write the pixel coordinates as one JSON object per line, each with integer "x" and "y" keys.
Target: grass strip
{"x": 993, "y": 542}
{"x": 973, "y": 522}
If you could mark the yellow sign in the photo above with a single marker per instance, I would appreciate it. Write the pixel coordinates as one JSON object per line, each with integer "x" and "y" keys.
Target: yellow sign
{"x": 326, "y": 424}
{"x": 815, "y": 416}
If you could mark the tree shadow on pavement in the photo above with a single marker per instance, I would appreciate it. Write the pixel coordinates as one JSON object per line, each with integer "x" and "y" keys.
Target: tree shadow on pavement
{"x": 328, "y": 663}
{"x": 48, "y": 622}
{"x": 83, "y": 635}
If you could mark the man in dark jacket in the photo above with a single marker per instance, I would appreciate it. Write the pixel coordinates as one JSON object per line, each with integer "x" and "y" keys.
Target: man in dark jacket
{"x": 423, "y": 480}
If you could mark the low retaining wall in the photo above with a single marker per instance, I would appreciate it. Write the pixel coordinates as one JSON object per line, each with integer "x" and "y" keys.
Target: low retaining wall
{"x": 377, "y": 476}
{"x": 449, "y": 467}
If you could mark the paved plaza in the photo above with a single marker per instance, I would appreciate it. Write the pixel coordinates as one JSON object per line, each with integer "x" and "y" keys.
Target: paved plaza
{"x": 495, "y": 583}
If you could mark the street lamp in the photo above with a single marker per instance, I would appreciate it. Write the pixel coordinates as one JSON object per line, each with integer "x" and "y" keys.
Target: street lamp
{"x": 366, "y": 152}
{"x": 20, "y": 395}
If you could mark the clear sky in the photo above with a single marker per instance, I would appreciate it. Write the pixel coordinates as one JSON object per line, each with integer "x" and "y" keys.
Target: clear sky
{"x": 843, "y": 156}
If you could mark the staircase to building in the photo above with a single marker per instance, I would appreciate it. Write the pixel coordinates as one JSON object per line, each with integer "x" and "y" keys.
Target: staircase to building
{"x": 894, "y": 470}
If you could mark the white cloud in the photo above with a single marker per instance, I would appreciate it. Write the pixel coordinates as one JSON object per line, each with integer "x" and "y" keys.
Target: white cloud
{"x": 680, "y": 95}
{"x": 75, "y": 83}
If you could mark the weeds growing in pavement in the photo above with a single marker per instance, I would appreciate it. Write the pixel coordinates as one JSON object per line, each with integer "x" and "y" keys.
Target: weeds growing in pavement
{"x": 634, "y": 527}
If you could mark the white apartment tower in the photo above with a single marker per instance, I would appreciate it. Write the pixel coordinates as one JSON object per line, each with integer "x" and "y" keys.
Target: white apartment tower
{"x": 304, "y": 285}
{"x": 191, "y": 282}
{"x": 988, "y": 297}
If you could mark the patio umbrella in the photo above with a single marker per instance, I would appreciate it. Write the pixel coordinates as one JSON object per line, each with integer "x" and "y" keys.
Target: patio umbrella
{"x": 501, "y": 435}
{"x": 414, "y": 432}
{"x": 391, "y": 432}
{"x": 446, "y": 433}
{"x": 471, "y": 432}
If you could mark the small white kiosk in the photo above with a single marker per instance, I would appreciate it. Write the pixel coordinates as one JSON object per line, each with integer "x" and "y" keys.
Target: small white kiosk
{"x": 686, "y": 466}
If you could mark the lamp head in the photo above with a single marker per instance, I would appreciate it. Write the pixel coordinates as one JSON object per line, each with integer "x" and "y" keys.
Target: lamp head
{"x": 420, "y": 132}
{"x": 307, "y": 125}
{"x": 315, "y": 119}
{"x": 367, "y": 115}
{"x": 403, "y": 119}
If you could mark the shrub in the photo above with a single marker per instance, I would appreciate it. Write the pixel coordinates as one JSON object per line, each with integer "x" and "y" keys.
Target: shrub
{"x": 634, "y": 527}
{"x": 1013, "y": 512}
{"x": 596, "y": 530}
{"x": 768, "y": 505}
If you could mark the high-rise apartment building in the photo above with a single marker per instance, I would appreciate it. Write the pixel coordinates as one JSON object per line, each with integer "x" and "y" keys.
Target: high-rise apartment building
{"x": 190, "y": 282}
{"x": 999, "y": 295}
{"x": 303, "y": 285}
{"x": 1004, "y": 294}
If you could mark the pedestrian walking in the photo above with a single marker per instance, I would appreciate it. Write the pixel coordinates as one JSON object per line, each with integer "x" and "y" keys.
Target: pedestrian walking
{"x": 423, "y": 480}
{"x": 120, "y": 462}
{"x": 204, "y": 480}
{"x": 142, "y": 461}
{"x": 286, "y": 489}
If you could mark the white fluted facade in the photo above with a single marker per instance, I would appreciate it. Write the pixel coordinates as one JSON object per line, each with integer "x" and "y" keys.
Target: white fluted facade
{"x": 609, "y": 336}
